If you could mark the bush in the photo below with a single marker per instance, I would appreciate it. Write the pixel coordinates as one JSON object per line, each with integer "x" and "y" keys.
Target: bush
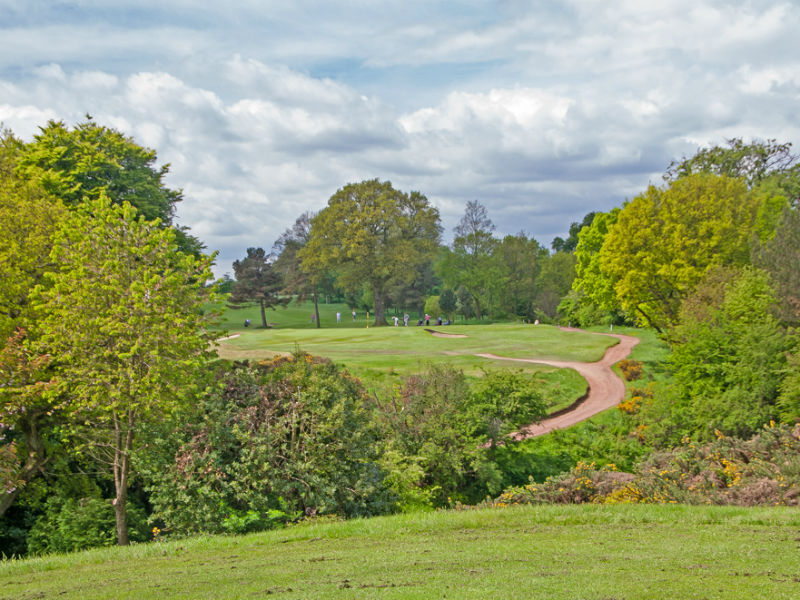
{"x": 71, "y": 524}
{"x": 275, "y": 441}
{"x": 764, "y": 470}
{"x": 631, "y": 369}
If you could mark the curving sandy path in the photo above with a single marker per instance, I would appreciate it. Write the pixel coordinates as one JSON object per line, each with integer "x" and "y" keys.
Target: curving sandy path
{"x": 606, "y": 389}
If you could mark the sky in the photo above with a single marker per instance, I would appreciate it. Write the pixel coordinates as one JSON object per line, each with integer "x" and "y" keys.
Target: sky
{"x": 542, "y": 111}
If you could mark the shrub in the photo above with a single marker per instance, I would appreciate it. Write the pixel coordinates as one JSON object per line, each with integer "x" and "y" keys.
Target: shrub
{"x": 631, "y": 369}
{"x": 275, "y": 441}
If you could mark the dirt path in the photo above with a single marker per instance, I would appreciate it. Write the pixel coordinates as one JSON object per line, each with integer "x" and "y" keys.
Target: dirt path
{"x": 606, "y": 389}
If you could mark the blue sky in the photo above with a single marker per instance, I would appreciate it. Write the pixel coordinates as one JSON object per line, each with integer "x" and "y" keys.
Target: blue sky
{"x": 542, "y": 111}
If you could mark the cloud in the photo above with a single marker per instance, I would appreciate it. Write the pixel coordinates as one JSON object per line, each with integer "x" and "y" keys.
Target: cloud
{"x": 540, "y": 111}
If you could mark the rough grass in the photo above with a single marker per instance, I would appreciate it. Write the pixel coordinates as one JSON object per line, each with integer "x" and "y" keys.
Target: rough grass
{"x": 554, "y": 552}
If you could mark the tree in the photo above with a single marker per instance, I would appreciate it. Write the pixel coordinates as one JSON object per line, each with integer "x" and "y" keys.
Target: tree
{"x": 751, "y": 162}
{"x": 780, "y": 257}
{"x": 519, "y": 261}
{"x": 372, "y": 233}
{"x": 569, "y": 245}
{"x": 302, "y": 284}
{"x": 554, "y": 282}
{"x": 257, "y": 282}
{"x": 468, "y": 265}
{"x": 274, "y": 441}
{"x": 665, "y": 240}
{"x": 91, "y": 160}
{"x": 123, "y": 321}
{"x": 28, "y": 218}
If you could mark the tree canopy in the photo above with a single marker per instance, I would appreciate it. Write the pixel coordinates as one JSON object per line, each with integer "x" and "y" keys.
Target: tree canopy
{"x": 122, "y": 318}
{"x": 372, "y": 233}
{"x": 257, "y": 282}
{"x": 665, "y": 240}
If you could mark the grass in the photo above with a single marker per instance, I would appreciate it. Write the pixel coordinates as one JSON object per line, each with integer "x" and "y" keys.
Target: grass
{"x": 554, "y": 552}
{"x": 382, "y": 356}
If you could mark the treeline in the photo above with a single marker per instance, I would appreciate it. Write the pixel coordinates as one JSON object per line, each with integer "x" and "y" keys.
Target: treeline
{"x": 379, "y": 249}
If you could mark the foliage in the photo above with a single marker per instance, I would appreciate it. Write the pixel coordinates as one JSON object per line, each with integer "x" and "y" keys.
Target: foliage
{"x": 665, "y": 240}
{"x": 589, "y": 277}
{"x": 569, "y": 245}
{"x": 28, "y": 412}
{"x": 764, "y": 470}
{"x": 257, "y": 281}
{"x": 424, "y": 427}
{"x": 296, "y": 281}
{"x": 90, "y": 161}
{"x": 71, "y": 524}
{"x": 270, "y": 443}
{"x": 780, "y": 257}
{"x": 503, "y": 400}
{"x": 372, "y": 233}
{"x": 727, "y": 364}
{"x": 751, "y": 162}
{"x": 554, "y": 282}
{"x": 122, "y": 320}
{"x": 468, "y": 265}
{"x": 29, "y": 218}
{"x": 631, "y": 369}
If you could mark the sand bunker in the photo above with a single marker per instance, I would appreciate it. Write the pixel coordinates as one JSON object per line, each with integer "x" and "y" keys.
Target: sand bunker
{"x": 445, "y": 335}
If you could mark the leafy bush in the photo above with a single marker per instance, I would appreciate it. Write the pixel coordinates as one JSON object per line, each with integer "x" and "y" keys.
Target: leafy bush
{"x": 71, "y": 524}
{"x": 764, "y": 470}
{"x": 273, "y": 442}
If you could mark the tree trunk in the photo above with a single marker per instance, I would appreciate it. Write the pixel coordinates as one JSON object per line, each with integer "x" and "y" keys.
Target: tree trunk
{"x": 316, "y": 307}
{"x": 123, "y": 443}
{"x": 377, "y": 298}
{"x": 263, "y": 315}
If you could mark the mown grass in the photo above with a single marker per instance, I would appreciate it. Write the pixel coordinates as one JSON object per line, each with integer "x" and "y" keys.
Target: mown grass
{"x": 382, "y": 356}
{"x": 554, "y": 552}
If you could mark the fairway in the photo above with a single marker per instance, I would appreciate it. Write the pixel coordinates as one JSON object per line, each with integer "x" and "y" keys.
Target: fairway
{"x": 545, "y": 552}
{"x": 381, "y": 356}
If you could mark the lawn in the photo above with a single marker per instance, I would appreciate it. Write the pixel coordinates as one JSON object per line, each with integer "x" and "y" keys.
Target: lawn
{"x": 381, "y": 356}
{"x": 554, "y": 552}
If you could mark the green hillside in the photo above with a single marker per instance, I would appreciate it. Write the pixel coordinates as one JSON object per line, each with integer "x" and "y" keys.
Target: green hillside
{"x": 553, "y": 552}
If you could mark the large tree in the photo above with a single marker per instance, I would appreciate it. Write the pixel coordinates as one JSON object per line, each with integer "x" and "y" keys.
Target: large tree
{"x": 751, "y": 162}
{"x": 123, "y": 320}
{"x": 373, "y": 234}
{"x": 90, "y": 160}
{"x": 665, "y": 240}
{"x": 257, "y": 282}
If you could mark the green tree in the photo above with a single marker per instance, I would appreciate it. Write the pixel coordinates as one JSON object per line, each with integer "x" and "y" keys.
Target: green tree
{"x": 589, "y": 277}
{"x": 297, "y": 281}
{"x": 665, "y": 240}
{"x": 518, "y": 259}
{"x": 554, "y": 282}
{"x": 123, "y": 320}
{"x": 780, "y": 257}
{"x": 257, "y": 282}
{"x": 91, "y": 160}
{"x": 751, "y": 162}
{"x": 28, "y": 218}
{"x": 561, "y": 245}
{"x": 468, "y": 265}
{"x": 371, "y": 233}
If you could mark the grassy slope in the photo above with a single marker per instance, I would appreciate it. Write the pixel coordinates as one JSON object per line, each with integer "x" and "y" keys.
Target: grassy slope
{"x": 554, "y": 552}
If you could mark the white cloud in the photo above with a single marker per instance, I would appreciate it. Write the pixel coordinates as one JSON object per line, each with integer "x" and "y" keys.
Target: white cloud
{"x": 542, "y": 111}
